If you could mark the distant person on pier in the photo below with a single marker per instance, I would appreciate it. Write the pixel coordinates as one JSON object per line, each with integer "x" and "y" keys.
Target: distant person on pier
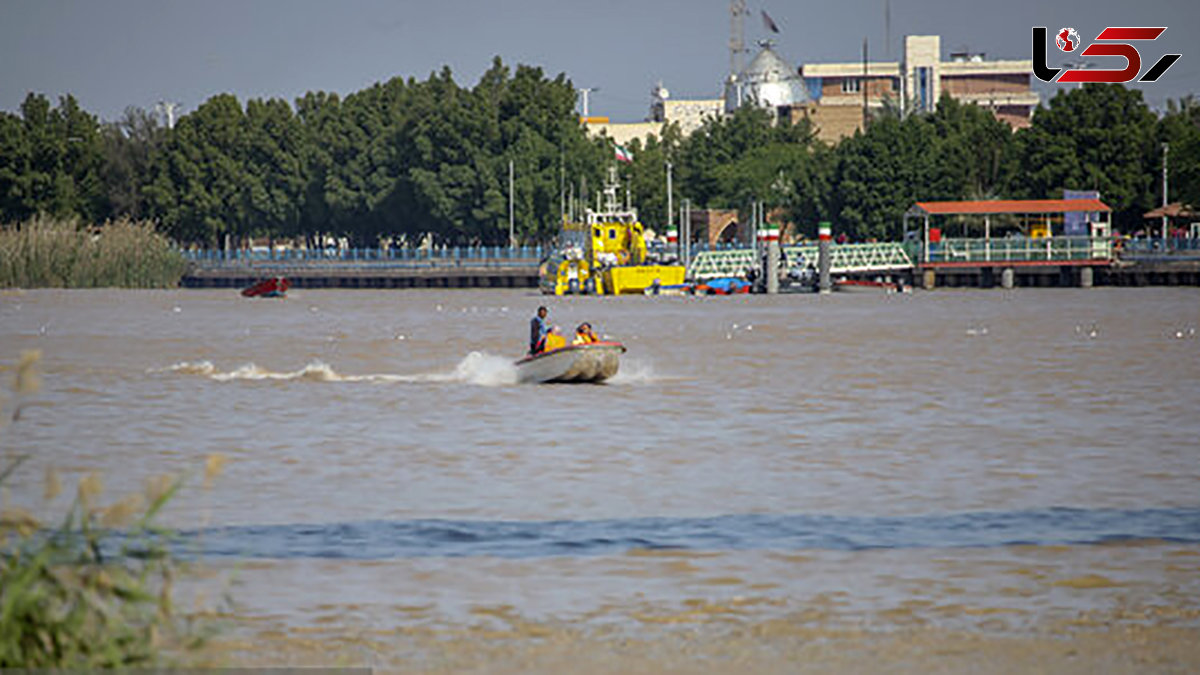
{"x": 537, "y": 331}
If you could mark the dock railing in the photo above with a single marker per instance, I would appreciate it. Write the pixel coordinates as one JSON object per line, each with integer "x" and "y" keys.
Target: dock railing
{"x": 882, "y": 257}
{"x": 1020, "y": 249}
{"x": 408, "y": 258}
{"x": 1174, "y": 248}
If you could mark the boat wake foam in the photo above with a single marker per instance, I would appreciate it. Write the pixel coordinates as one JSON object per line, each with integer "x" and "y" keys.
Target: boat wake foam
{"x": 635, "y": 371}
{"x": 477, "y": 368}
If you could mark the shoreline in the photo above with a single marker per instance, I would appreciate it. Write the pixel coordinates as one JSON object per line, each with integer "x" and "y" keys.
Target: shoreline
{"x": 1088, "y": 644}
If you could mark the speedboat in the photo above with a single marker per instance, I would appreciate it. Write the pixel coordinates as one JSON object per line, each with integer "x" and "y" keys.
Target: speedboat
{"x": 274, "y": 287}
{"x": 593, "y": 362}
{"x": 723, "y": 286}
{"x": 669, "y": 289}
{"x": 863, "y": 286}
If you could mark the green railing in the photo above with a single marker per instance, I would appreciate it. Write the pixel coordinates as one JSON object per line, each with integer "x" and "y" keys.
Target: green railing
{"x": 847, "y": 258}
{"x": 1020, "y": 249}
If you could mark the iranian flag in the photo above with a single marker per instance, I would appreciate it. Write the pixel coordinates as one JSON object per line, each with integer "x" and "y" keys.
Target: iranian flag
{"x": 623, "y": 155}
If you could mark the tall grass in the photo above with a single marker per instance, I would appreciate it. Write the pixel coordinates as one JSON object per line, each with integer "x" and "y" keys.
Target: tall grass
{"x": 93, "y": 592}
{"x": 46, "y": 252}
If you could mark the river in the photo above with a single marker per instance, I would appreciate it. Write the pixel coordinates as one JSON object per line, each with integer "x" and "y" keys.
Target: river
{"x": 996, "y": 462}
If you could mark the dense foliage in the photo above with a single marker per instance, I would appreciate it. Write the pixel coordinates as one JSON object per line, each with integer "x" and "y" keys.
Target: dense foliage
{"x": 44, "y": 252}
{"x": 406, "y": 160}
{"x": 95, "y": 591}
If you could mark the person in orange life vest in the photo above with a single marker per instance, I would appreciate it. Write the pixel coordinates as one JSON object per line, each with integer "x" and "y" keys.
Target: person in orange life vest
{"x": 584, "y": 335}
{"x": 554, "y": 340}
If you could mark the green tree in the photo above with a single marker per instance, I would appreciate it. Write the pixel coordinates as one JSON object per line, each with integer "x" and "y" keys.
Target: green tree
{"x": 959, "y": 151}
{"x": 1180, "y": 128}
{"x": 273, "y": 164}
{"x": 880, "y": 173}
{"x": 50, "y": 161}
{"x": 720, "y": 142}
{"x": 199, "y": 186}
{"x": 1098, "y": 137}
{"x": 647, "y": 179}
{"x": 130, "y": 147}
{"x": 733, "y": 161}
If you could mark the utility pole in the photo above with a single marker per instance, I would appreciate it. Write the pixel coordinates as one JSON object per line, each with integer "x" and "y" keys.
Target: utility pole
{"x": 887, "y": 28}
{"x": 1166, "y": 147}
{"x": 512, "y": 238}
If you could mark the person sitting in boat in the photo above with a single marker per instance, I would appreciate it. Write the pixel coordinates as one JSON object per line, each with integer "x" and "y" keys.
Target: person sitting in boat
{"x": 537, "y": 331}
{"x": 584, "y": 335}
{"x": 554, "y": 340}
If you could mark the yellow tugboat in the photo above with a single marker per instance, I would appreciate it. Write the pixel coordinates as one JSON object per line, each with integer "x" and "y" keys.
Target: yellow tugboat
{"x": 605, "y": 254}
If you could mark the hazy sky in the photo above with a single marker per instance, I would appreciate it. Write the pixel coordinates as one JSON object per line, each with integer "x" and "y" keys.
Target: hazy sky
{"x": 113, "y": 54}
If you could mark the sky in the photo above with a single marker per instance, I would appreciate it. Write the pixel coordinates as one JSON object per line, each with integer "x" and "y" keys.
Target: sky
{"x": 111, "y": 54}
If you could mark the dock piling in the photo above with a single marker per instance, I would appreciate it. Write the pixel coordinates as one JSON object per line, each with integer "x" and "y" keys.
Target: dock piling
{"x": 772, "y": 267}
{"x": 824, "y": 256}
{"x": 1007, "y": 278}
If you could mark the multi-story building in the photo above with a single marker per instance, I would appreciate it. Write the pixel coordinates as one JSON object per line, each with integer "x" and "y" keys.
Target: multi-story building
{"x": 837, "y": 97}
{"x": 844, "y": 90}
{"x": 690, "y": 115}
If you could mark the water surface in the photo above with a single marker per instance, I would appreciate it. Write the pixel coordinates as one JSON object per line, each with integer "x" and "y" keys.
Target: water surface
{"x": 980, "y": 448}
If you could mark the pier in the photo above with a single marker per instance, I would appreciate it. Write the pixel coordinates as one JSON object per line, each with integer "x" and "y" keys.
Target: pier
{"x": 477, "y": 267}
{"x": 1052, "y": 262}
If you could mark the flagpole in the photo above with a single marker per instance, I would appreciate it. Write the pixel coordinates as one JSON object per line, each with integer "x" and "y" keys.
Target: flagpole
{"x": 512, "y": 239}
{"x": 670, "y": 206}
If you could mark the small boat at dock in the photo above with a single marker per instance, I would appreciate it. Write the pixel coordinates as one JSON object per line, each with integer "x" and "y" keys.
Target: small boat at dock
{"x": 723, "y": 286}
{"x": 274, "y": 287}
{"x": 861, "y": 286}
{"x": 592, "y": 362}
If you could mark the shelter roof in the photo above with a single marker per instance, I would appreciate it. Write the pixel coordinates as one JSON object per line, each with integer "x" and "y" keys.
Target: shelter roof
{"x": 1173, "y": 210}
{"x": 1019, "y": 206}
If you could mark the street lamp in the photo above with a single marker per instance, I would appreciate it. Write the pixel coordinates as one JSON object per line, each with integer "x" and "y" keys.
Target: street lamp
{"x": 1079, "y": 65}
{"x": 583, "y": 97}
{"x": 1166, "y": 147}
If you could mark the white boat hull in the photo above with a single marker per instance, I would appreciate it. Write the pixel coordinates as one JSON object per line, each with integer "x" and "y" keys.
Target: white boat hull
{"x": 851, "y": 286}
{"x": 594, "y": 362}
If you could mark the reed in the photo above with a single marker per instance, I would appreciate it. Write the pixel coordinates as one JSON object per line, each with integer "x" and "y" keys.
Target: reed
{"x": 52, "y": 253}
{"x": 95, "y": 591}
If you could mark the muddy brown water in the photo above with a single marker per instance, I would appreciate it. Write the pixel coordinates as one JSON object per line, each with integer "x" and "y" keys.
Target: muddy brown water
{"x": 985, "y": 461}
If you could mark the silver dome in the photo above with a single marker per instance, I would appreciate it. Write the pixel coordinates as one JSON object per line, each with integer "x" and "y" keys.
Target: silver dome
{"x": 769, "y": 81}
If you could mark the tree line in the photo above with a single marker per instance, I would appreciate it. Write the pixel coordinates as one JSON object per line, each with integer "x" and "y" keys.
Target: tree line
{"x": 1098, "y": 137}
{"x": 407, "y": 159}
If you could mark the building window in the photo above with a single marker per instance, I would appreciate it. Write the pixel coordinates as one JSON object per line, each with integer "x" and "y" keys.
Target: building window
{"x": 851, "y": 85}
{"x": 925, "y": 100}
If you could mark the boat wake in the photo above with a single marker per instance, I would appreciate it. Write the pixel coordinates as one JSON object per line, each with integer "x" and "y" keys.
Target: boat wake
{"x": 477, "y": 368}
{"x": 634, "y": 371}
